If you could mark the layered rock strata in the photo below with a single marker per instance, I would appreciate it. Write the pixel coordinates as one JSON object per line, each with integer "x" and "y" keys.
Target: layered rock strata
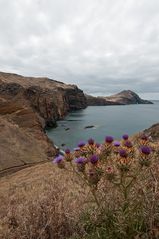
{"x": 27, "y": 106}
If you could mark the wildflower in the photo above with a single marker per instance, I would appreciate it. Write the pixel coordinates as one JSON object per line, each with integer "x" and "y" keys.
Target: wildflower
{"x": 68, "y": 155}
{"x": 67, "y": 151}
{"x": 110, "y": 173}
{"x": 109, "y": 139}
{"x": 94, "y": 159}
{"x": 97, "y": 145}
{"x": 144, "y": 137}
{"x": 128, "y": 144}
{"x": 116, "y": 144}
{"x": 123, "y": 153}
{"x": 77, "y": 152}
{"x": 94, "y": 176}
{"x": 59, "y": 160}
{"x": 81, "y": 162}
{"x": 145, "y": 150}
{"x": 144, "y": 157}
{"x": 125, "y": 136}
{"x": 81, "y": 144}
{"x": 91, "y": 141}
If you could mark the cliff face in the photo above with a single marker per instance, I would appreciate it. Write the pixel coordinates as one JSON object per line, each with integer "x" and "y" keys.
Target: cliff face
{"x": 125, "y": 97}
{"x": 27, "y": 106}
{"x": 153, "y": 131}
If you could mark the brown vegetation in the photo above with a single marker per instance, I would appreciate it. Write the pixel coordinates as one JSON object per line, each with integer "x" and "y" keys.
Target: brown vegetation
{"x": 39, "y": 202}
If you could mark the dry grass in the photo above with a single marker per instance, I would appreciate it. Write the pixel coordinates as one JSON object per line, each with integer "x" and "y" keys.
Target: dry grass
{"x": 39, "y": 202}
{"x": 45, "y": 202}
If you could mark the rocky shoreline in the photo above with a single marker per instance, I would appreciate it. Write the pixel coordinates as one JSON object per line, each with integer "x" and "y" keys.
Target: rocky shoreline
{"x": 28, "y": 105}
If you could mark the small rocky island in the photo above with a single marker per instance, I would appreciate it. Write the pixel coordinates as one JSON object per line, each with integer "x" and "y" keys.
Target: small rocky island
{"x": 125, "y": 97}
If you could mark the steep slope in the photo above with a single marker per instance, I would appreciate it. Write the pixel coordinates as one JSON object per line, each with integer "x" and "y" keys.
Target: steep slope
{"x": 153, "y": 131}
{"x": 27, "y": 106}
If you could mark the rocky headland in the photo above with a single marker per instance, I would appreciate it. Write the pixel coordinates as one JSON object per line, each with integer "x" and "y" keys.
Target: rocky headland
{"x": 27, "y": 106}
{"x": 125, "y": 97}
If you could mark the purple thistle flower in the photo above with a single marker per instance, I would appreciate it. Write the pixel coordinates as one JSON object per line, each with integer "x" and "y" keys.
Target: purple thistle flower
{"x": 109, "y": 139}
{"x": 128, "y": 144}
{"x": 116, "y": 144}
{"x": 144, "y": 137}
{"x": 125, "y": 136}
{"x": 145, "y": 150}
{"x": 91, "y": 141}
{"x": 58, "y": 159}
{"x": 123, "y": 153}
{"x": 94, "y": 159}
{"x": 67, "y": 151}
{"x": 80, "y": 160}
{"x": 81, "y": 144}
{"x": 97, "y": 145}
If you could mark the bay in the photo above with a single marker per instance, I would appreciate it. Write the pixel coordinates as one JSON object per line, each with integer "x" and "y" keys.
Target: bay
{"x": 107, "y": 120}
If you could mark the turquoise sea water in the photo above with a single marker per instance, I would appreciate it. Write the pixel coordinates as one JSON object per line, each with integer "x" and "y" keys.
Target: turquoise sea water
{"x": 108, "y": 120}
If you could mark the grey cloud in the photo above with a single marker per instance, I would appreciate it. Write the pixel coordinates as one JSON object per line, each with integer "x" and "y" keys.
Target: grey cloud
{"x": 103, "y": 46}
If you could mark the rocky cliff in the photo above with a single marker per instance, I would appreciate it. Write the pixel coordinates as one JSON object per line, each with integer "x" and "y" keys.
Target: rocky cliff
{"x": 27, "y": 106}
{"x": 153, "y": 131}
{"x": 123, "y": 98}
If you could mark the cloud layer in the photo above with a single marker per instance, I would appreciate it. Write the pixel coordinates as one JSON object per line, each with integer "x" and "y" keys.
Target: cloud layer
{"x": 102, "y": 46}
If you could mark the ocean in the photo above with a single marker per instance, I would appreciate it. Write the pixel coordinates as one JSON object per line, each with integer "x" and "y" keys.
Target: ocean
{"x": 106, "y": 120}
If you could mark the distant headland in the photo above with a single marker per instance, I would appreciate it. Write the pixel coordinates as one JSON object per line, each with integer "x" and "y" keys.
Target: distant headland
{"x": 125, "y": 97}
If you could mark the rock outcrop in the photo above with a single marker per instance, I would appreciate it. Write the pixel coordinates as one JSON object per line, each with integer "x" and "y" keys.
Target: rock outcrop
{"x": 125, "y": 97}
{"x": 27, "y": 106}
{"x": 153, "y": 132}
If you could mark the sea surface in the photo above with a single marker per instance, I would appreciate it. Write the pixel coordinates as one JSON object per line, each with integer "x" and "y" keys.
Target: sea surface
{"x": 107, "y": 120}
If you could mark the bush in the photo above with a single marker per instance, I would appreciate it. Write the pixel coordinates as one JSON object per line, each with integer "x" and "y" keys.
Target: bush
{"x": 122, "y": 178}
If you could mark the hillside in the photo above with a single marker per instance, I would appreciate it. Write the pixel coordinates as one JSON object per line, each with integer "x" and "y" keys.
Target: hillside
{"x": 27, "y": 106}
{"x": 125, "y": 97}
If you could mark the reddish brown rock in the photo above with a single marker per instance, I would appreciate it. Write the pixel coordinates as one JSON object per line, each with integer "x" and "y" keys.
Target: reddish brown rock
{"x": 153, "y": 131}
{"x": 27, "y": 106}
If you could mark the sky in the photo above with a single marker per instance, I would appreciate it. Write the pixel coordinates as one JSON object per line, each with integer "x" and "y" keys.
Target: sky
{"x": 103, "y": 46}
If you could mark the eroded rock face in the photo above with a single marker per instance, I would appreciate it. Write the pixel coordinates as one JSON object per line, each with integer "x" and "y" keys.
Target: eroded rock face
{"x": 153, "y": 131}
{"x": 125, "y": 97}
{"x": 27, "y": 106}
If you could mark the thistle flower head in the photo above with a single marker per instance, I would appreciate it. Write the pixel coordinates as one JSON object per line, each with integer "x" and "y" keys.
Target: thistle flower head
{"x": 116, "y": 144}
{"x": 144, "y": 137}
{"x": 81, "y": 144}
{"x": 80, "y": 160}
{"x": 109, "y": 139}
{"x": 128, "y": 144}
{"x": 123, "y": 153}
{"x": 145, "y": 150}
{"x": 91, "y": 141}
{"x": 94, "y": 159}
{"x": 58, "y": 159}
{"x": 67, "y": 151}
{"x": 125, "y": 136}
{"x": 97, "y": 145}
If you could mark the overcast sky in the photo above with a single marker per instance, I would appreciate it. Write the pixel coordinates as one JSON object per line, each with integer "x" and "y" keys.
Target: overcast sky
{"x": 103, "y": 46}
